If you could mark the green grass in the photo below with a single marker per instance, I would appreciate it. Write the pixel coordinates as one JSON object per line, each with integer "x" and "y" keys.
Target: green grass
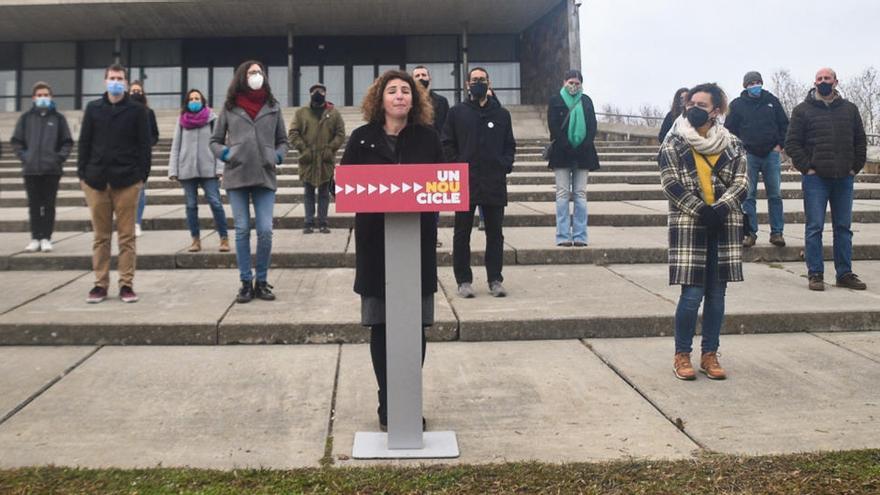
{"x": 838, "y": 473}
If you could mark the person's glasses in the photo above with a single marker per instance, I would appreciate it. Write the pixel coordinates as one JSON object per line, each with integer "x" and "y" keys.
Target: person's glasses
{"x": 255, "y": 73}
{"x": 475, "y": 80}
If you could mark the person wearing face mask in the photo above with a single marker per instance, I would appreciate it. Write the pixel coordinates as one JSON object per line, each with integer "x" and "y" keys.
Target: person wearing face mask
{"x": 317, "y": 132}
{"x": 42, "y": 142}
{"x": 758, "y": 119}
{"x": 703, "y": 175}
{"x": 479, "y": 132}
{"x": 571, "y": 119}
{"x": 113, "y": 164}
{"x": 251, "y": 140}
{"x": 441, "y": 105}
{"x": 678, "y": 102}
{"x": 139, "y": 96}
{"x": 826, "y": 141}
{"x": 193, "y": 164}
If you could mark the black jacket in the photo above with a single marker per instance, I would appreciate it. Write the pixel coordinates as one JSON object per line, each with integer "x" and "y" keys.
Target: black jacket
{"x": 760, "y": 123}
{"x": 114, "y": 144}
{"x": 829, "y": 139}
{"x": 42, "y": 142}
{"x": 441, "y": 109}
{"x": 483, "y": 138}
{"x": 368, "y": 146}
{"x": 562, "y": 155}
{"x": 666, "y": 126}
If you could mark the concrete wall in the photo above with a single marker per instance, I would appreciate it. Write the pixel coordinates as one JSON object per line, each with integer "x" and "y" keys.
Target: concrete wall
{"x": 545, "y": 55}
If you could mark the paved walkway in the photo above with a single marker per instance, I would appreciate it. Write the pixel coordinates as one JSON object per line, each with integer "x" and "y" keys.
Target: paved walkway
{"x": 556, "y": 401}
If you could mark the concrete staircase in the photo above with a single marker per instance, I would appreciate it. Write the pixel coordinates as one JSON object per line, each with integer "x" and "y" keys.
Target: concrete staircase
{"x": 614, "y": 287}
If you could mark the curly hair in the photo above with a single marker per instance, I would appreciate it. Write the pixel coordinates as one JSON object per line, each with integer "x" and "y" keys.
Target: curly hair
{"x": 422, "y": 111}
{"x": 719, "y": 97}
{"x": 238, "y": 84}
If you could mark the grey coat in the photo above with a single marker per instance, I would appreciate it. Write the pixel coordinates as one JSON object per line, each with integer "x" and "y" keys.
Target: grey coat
{"x": 253, "y": 145}
{"x": 42, "y": 142}
{"x": 191, "y": 156}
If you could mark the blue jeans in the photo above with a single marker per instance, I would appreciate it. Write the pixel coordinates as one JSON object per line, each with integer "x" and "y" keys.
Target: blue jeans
{"x": 571, "y": 183}
{"x": 770, "y": 170}
{"x": 712, "y": 296}
{"x": 263, "y": 200}
{"x": 142, "y": 203}
{"x": 212, "y": 195}
{"x": 818, "y": 192}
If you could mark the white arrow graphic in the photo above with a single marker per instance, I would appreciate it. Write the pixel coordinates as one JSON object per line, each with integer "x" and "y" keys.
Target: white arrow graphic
{"x": 348, "y": 189}
{"x": 394, "y": 188}
{"x": 371, "y": 189}
{"x": 406, "y": 187}
{"x": 360, "y": 189}
{"x": 417, "y": 187}
{"x": 382, "y": 188}
{"x": 338, "y": 189}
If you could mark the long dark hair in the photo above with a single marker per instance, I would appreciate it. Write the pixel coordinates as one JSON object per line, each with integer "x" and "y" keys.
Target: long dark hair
{"x": 677, "y": 107}
{"x": 138, "y": 82}
{"x": 183, "y": 105}
{"x": 239, "y": 85}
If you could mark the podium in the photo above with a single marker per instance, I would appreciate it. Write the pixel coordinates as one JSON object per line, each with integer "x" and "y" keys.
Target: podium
{"x": 402, "y": 192}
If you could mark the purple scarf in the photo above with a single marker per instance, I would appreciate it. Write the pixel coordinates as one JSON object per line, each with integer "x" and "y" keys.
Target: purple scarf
{"x": 190, "y": 120}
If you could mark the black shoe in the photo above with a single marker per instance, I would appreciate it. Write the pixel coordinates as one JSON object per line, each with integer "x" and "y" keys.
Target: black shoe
{"x": 851, "y": 281}
{"x": 263, "y": 291}
{"x": 325, "y": 230}
{"x": 246, "y": 293}
{"x": 308, "y": 230}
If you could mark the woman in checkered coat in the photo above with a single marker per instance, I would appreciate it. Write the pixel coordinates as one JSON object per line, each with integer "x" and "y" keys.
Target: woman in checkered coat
{"x": 703, "y": 173}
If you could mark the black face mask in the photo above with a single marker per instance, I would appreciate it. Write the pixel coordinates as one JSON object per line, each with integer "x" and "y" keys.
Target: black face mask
{"x": 318, "y": 99}
{"x": 697, "y": 116}
{"x": 425, "y": 83}
{"x": 138, "y": 97}
{"x": 825, "y": 88}
{"x": 478, "y": 90}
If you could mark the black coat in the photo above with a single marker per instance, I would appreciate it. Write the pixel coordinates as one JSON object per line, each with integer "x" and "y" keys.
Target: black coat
{"x": 368, "y": 146}
{"x": 760, "y": 123}
{"x": 666, "y": 126}
{"x": 42, "y": 142}
{"x": 441, "y": 110}
{"x": 114, "y": 144}
{"x": 562, "y": 155}
{"x": 829, "y": 139}
{"x": 482, "y": 137}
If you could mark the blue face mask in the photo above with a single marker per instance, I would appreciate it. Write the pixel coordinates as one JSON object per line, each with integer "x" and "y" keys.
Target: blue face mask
{"x": 754, "y": 91}
{"x": 115, "y": 88}
{"x": 194, "y": 106}
{"x": 43, "y": 102}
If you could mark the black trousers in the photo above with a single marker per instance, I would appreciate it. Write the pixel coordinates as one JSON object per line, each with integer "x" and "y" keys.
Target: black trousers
{"x": 41, "y": 193}
{"x": 461, "y": 244}
{"x": 380, "y": 366}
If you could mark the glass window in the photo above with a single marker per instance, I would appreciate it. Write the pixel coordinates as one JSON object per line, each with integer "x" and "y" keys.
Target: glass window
{"x": 62, "y": 81}
{"x": 442, "y": 75}
{"x": 361, "y": 78}
{"x": 308, "y": 75}
{"x": 492, "y": 47}
{"x": 162, "y": 85}
{"x": 334, "y": 79}
{"x": 100, "y": 53}
{"x": 222, "y": 78}
{"x": 7, "y": 83}
{"x": 156, "y": 52}
{"x": 61, "y": 102}
{"x": 278, "y": 82}
{"x": 93, "y": 81}
{"x": 385, "y": 68}
{"x": 39, "y": 55}
{"x": 7, "y": 104}
{"x": 197, "y": 78}
{"x": 432, "y": 48}
{"x": 504, "y": 75}
{"x": 508, "y": 97}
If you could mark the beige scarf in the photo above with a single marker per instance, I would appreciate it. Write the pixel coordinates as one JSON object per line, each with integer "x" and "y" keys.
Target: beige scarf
{"x": 716, "y": 140}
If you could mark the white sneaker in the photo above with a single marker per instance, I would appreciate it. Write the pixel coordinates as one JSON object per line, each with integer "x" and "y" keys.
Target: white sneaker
{"x": 33, "y": 246}
{"x": 45, "y": 245}
{"x": 137, "y": 230}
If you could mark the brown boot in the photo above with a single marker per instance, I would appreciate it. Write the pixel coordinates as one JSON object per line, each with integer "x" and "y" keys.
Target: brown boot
{"x": 682, "y": 366}
{"x": 196, "y": 246}
{"x": 224, "y": 245}
{"x": 709, "y": 365}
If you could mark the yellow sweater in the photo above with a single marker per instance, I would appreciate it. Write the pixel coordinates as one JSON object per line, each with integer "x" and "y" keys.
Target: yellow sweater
{"x": 704, "y": 173}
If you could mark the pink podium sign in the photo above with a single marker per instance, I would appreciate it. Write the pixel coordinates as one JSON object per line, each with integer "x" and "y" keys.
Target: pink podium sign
{"x": 402, "y": 188}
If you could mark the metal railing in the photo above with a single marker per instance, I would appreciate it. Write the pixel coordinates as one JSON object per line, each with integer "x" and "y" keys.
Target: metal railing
{"x": 873, "y": 139}
{"x": 631, "y": 119}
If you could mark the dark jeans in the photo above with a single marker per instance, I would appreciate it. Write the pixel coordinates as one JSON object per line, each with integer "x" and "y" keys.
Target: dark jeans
{"x": 380, "y": 365}
{"x": 212, "y": 196}
{"x": 712, "y": 296}
{"x": 818, "y": 193}
{"x": 41, "y": 193}
{"x": 323, "y": 204}
{"x": 461, "y": 244}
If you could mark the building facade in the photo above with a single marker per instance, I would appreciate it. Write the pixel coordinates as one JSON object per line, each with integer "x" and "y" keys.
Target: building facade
{"x": 176, "y": 45}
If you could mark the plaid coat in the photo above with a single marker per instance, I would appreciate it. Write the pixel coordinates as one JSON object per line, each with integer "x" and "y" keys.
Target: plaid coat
{"x": 687, "y": 237}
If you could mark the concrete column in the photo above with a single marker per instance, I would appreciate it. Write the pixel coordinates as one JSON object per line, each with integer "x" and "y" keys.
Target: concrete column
{"x": 117, "y": 49}
{"x": 574, "y": 34}
{"x": 290, "y": 72}
{"x": 464, "y": 58}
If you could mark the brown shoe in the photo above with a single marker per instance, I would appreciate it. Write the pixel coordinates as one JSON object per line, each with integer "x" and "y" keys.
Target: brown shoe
{"x": 224, "y": 245}
{"x": 196, "y": 246}
{"x": 851, "y": 281}
{"x": 709, "y": 365}
{"x": 682, "y": 366}
{"x": 817, "y": 282}
{"x": 749, "y": 240}
{"x": 777, "y": 240}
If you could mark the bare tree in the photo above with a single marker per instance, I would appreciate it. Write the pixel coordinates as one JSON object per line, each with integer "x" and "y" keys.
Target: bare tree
{"x": 789, "y": 91}
{"x": 864, "y": 91}
{"x": 653, "y": 115}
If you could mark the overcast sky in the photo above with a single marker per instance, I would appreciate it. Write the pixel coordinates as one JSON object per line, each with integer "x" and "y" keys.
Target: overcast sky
{"x": 640, "y": 51}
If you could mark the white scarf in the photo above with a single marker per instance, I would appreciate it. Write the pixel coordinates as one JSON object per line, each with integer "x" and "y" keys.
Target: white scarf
{"x": 716, "y": 140}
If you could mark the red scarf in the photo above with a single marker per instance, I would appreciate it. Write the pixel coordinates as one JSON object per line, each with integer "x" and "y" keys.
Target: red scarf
{"x": 251, "y": 101}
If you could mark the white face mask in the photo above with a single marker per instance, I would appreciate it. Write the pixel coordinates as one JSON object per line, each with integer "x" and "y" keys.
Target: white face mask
{"x": 255, "y": 81}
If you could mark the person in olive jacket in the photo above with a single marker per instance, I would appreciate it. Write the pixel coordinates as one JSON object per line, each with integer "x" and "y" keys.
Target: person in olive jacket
{"x": 571, "y": 119}
{"x": 398, "y": 111}
{"x": 42, "y": 142}
{"x": 317, "y": 132}
{"x": 826, "y": 141}
{"x": 479, "y": 132}
{"x": 114, "y": 162}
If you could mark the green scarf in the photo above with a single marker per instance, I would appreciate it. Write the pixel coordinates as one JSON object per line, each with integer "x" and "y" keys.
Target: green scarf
{"x": 577, "y": 123}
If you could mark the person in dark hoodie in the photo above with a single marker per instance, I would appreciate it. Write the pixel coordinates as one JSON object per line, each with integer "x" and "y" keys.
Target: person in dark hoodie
{"x": 317, "y": 132}
{"x": 114, "y": 162}
{"x": 826, "y": 141}
{"x": 137, "y": 94}
{"x": 42, "y": 142}
{"x": 479, "y": 132}
{"x": 759, "y": 121}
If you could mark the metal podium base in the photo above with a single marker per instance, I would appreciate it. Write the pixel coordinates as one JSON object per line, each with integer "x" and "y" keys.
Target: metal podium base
{"x": 437, "y": 445}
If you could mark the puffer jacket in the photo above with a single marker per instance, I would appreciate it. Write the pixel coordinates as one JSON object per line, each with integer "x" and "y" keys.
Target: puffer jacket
{"x": 42, "y": 142}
